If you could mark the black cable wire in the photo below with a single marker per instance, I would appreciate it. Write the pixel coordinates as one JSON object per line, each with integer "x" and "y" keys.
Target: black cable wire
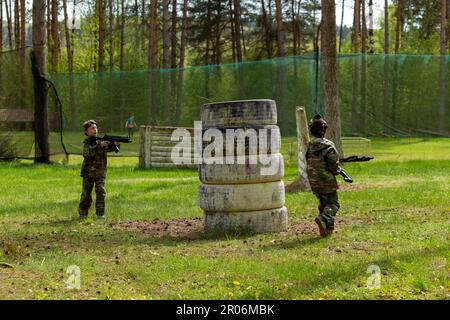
{"x": 50, "y": 86}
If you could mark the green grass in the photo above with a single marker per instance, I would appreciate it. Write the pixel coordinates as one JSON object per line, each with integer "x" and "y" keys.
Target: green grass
{"x": 395, "y": 216}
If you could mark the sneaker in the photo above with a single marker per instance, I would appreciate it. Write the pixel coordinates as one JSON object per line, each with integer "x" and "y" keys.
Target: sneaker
{"x": 322, "y": 227}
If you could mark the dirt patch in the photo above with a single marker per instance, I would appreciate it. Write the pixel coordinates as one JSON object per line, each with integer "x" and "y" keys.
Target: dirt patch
{"x": 305, "y": 226}
{"x": 353, "y": 186}
{"x": 179, "y": 228}
{"x": 192, "y": 228}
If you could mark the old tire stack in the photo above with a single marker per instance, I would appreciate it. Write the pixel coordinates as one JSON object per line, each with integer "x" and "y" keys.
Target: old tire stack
{"x": 240, "y": 196}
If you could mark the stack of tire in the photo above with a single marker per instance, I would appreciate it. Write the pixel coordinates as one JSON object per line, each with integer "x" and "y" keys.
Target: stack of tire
{"x": 239, "y": 196}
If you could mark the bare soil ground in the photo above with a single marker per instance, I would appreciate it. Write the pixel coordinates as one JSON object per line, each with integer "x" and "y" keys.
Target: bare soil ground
{"x": 192, "y": 228}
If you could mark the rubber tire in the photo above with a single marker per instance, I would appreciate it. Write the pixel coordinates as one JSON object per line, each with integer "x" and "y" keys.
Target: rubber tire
{"x": 272, "y": 130}
{"x": 240, "y": 173}
{"x": 240, "y": 112}
{"x": 241, "y": 197}
{"x": 273, "y": 220}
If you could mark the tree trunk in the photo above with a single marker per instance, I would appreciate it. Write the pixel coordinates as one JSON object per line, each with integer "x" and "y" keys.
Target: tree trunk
{"x": 237, "y": 29}
{"x": 237, "y": 37}
{"x": 443, "y": 27}
{"x": 371, "y": 39}
{"x": 152, "y": 62}
{"x": 22, "y": 24}
{"x": 243, "y": 38}
{"x": 217, "y": 52}
{"x": 184, "y": 34}
{"x": 233, "y": 36}
{"x": 386, "y": 64}
{"x": 208, "y": 36}
{"x": 399, "y": 27}
{"x": 94, "y": 51}
{"x": 341, "y": 26}
{"x": 386, "y": 27}
{"x": 144, "y": 26}
{"x": 166, "y": 62}
{"x": 267, "y": 31}
{"x": 398, "y": 35}
{"x": 442, "y": 67}
{"x": 363, "y": 28}
{"x": 122, "y": 60}
{"x": 16, "y": 24}
{"x": 111, "y": 34}
{"x": 152, "y": 49}
{"x": 280, "y": 28}
{"x": 8, "y": 21}
{"x": 55, "y": 36}
{"x": 181, "y": 65}
{"x": 294, "y": 28}
{"x": 1, "y": 25}
{"x": 330, "y": 84}
{"x": 356, "y": 21}
{"x": 101, "y": 35}
{"x": 23, "y": 79}
{"x": 299, "y": 30}
{"x": 448, "y": 24}
{"x": 173, "y": 63}
{"x": 111, "y": 61}
{"x": 69, "y": 65}
{"x": 49, "y": 27}
{"x": 362, "y": 125}
{"x": 41, "y": 128}
{"x": 122, "y": 35}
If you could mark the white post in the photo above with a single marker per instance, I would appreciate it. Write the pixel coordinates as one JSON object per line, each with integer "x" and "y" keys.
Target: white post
{"x": 301, "y": 183}
{"x": 303, "y": 140}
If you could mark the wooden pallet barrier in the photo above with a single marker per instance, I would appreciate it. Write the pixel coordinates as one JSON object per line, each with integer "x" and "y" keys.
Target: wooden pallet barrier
{"x": 156, "y": 146}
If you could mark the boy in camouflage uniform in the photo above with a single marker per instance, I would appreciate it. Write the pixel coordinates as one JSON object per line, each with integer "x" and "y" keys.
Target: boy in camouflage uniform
{"x": 322, "y": 166}
{"x": 93, "y": 170}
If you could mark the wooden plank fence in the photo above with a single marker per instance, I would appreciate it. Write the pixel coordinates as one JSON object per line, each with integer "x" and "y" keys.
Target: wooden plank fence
{"x": 16, "y": 115}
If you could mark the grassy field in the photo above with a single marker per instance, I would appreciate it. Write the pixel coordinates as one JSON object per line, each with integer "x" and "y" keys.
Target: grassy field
{"x": 396, "y": 216}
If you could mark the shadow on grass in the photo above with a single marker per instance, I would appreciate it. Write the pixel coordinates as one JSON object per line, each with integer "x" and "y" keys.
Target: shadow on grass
{"x": 70, "y": 234}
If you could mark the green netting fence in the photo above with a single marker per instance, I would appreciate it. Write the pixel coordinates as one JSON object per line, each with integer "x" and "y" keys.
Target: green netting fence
{"x": 17, "y": 136}
{"x": 379, "y": 95}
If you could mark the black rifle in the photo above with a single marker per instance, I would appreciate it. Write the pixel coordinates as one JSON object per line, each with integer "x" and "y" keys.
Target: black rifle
{"x": 355, "y": 159}
{"x": 344, "y": 174}
{"x": 113, "y": 139}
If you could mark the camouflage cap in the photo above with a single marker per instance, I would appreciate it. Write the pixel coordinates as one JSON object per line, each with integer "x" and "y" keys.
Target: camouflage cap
{"x": 88, "y": 123}
{"x": 318, "y": 126}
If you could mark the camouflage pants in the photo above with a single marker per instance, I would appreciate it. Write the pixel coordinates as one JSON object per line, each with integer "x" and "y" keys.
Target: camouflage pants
{"x": 329, "y": 206}
{"x": 86, "y": 198}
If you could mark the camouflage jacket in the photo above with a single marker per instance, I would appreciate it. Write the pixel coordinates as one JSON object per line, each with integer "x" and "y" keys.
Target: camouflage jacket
{"x": 95, "y": 159}
{"x": 322, "y": 161}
